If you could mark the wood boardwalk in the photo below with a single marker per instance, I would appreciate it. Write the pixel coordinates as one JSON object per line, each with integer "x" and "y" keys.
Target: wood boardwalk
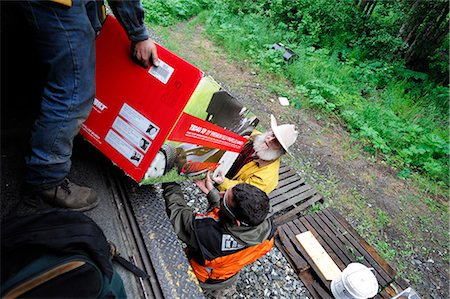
{"x": 292, "y": 196}
{"x": 342, "y": 243}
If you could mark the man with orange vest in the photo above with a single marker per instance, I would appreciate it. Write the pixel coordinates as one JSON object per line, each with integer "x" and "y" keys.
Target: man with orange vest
{"x": 234, "y": 233}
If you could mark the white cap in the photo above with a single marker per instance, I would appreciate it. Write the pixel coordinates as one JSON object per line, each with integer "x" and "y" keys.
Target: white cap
{"x": 285, "y": 134}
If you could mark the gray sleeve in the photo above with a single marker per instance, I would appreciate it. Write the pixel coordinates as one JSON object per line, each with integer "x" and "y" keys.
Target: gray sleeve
{"x": 181, "y": 216}
{"x": 130, "y": 15}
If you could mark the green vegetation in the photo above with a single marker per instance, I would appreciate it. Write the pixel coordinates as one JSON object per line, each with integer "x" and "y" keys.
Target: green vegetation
{"x": 348, "y": 65}
{"x": 400, "y": 114}
{"x": 372, "y": 71}
{"x": 172, "y": 11}
{"x": 171, "y": 176}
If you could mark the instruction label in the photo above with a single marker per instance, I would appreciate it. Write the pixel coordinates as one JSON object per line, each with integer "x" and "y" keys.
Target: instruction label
{"x": 131, "y": 134}
{"x": 163, "y": 72}
{"x": 139, "y": 121}
{"x": 123, "y": 147}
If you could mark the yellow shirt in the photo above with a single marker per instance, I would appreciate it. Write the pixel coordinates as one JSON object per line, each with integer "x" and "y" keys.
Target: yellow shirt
{"x": 259, "y": 173}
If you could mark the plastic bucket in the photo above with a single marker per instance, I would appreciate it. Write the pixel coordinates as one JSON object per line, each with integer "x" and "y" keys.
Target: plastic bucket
{"x": 356, "y": 282}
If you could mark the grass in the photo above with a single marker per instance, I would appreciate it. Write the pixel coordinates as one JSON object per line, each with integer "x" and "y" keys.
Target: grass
{"x": 396, "y": 119}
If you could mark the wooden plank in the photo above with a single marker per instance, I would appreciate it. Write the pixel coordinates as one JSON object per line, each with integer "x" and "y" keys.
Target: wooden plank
{"x": 375, "y": 255}
{"x": 294, "y": 200}
{"x": 287, "y": 181}
{"x": 291, "y": 195}
{"x": 298, "y": 261}
{"x": 291, "y": 235}
{"x": 307, "y": 278}
{"x": 287, "y": 185}
{"x": 380, "y": 279}
{"x": 286, "y": 175}
{"x": 330, "y": 240}
{"x": 283, "y": 168}
{"x": 296, "y": 230}
{"x": 383, "y": 277}
{"x": 323, "y": 293}
{"x": 346, "y": 245}
{"x": 330, "y": 248}
{"x": 293, "y": 213}
{"x": 340, "y": 234}
{"x": 283, "y": 250}
{"x": 401, "y": 283}
{"x": 319, "y": 256}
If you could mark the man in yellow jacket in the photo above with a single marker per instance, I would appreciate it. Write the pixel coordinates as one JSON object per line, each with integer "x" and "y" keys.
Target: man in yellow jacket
{"x": 259, "y": 161}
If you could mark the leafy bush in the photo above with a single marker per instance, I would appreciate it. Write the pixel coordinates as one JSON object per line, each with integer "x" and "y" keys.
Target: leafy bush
{"x": 347, "y": 65}
{"x": 171, "y": 11}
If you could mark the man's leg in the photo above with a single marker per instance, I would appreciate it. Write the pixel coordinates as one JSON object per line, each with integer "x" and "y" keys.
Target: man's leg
{"x": 66, "y": 42}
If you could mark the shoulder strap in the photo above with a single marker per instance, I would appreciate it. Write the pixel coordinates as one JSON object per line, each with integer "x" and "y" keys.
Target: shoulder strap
{"x": 126, "y": 263}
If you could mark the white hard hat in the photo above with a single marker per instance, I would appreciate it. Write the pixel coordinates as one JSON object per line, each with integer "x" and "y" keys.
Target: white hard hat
{"x": 285, "y": 134}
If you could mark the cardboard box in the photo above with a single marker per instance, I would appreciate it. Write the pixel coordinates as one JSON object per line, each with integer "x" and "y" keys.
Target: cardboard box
{"x": 136, "y": 111}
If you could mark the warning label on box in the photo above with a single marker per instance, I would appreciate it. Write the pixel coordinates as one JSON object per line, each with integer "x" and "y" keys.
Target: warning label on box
{"x": 131, "y": 134}
{"x": 129, "y": 152}
{"x": 139, "y": 121}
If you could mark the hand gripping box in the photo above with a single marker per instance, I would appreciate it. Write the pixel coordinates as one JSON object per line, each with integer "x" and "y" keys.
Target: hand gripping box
{"x": 144, "y": 119}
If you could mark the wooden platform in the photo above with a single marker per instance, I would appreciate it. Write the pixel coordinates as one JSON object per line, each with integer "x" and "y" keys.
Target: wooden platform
{"x": 292, "y": 196}
{"x": 342, "y": 243}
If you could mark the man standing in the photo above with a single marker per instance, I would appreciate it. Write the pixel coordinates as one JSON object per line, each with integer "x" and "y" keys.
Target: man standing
{"x": 235, "y": 232}
{"x": 64, "y": 32}
{"x": 258, "y": 163}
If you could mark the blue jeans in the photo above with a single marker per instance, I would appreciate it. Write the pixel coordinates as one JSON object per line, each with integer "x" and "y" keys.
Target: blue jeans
{"x": 65, "y": 39}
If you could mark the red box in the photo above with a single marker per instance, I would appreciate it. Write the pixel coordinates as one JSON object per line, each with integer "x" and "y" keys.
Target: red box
{"x": 137, "y": 110}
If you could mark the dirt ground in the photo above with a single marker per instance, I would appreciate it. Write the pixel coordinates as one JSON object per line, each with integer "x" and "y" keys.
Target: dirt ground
{"x": 388, "y": 211}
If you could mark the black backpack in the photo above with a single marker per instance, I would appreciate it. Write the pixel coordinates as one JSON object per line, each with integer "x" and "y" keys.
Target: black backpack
{"x": 57, "y": 254}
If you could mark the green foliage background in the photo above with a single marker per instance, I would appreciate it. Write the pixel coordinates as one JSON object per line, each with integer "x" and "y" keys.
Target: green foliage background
{"x": 348, "y": 65}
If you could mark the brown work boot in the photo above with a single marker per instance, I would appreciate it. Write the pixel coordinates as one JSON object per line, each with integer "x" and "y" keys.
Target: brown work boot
{"x": 71, "y": 196}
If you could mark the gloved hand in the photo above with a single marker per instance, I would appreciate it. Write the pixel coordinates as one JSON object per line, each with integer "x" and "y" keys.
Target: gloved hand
{"x": 144, "y": 52}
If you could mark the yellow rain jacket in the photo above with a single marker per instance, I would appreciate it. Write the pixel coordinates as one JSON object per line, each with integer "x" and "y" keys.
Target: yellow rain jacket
{"x": 259, "y": 173}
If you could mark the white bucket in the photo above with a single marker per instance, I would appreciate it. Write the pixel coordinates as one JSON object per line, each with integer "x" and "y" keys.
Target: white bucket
{"x": 356, "y": 282}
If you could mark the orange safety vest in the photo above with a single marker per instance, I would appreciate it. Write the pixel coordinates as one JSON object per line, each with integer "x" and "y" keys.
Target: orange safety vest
{"x": 221, "y": 256}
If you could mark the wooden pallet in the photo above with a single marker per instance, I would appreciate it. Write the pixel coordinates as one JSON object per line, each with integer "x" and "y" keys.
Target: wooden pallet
{"x": 292, "y": 196}
{"x": 342, "y": 243}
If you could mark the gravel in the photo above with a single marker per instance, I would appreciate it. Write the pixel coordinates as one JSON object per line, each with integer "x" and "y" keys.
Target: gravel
{"x": 271, "y": 276}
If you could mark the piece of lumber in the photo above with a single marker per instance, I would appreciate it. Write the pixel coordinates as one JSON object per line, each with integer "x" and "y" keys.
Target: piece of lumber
{"x": 299, "y": 263}
{"x": 318, "y": 255}
{"x": 318, "y": 234}
{"x": 306, "y": 257}
{"x": 307, "y": 278}
{"x": 364, "y": 243}
{"x": 340, "y": 248}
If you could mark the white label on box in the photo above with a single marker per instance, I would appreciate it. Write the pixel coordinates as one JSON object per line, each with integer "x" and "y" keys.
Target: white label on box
{"x": 162, "y": 72}
{"x": 131, "y": 134}
{"x": 139, "y": 121}
{"x": 225, "y": 163}
{"x": 129, "y": 152}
